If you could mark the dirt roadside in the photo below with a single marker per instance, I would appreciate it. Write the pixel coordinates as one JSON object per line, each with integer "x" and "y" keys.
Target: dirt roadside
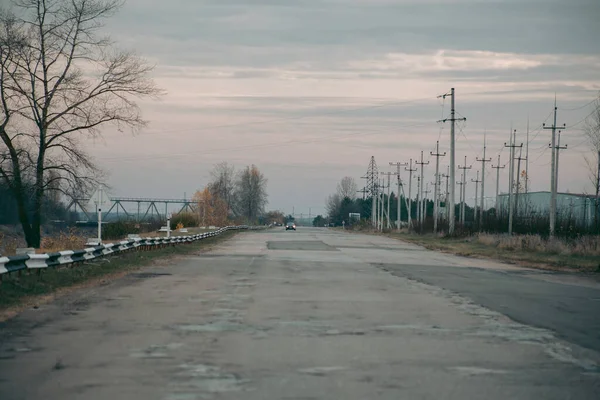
{"x": 19, "y": 293}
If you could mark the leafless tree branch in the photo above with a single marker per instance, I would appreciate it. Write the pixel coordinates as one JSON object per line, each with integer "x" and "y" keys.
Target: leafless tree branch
{"x": 61, "y": 81}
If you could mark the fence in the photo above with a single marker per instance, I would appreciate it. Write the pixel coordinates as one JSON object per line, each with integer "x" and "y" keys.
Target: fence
{"x": 48, "y": 260}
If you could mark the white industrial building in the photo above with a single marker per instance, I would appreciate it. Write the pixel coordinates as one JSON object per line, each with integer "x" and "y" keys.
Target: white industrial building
{"x": 576, "y": 207}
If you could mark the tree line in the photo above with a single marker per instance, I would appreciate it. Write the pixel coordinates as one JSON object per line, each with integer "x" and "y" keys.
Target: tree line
{"x": 344, "y": 202}
{"x": 232, "y": 196}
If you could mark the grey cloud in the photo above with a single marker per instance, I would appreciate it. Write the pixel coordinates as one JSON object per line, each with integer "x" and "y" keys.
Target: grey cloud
{"x": 535, "y": 27}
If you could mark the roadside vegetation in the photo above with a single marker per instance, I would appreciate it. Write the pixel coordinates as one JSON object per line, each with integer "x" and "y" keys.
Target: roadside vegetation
{"x": 581, "y": 254}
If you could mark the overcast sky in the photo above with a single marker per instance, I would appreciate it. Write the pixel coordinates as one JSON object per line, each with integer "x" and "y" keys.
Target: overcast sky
{"x": 309, "y": 90}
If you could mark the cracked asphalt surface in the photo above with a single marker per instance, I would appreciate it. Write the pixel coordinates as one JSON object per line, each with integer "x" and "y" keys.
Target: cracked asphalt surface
{"x": 312, "y": 314}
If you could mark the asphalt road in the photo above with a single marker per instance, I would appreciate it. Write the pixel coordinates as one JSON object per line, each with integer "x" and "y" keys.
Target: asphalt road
{"x": 312, "y": 314}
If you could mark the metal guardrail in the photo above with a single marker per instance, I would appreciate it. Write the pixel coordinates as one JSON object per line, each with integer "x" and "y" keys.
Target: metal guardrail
{"x": 48, "y": 260}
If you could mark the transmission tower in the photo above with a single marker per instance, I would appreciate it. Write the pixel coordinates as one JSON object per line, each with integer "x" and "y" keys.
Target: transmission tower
{"x": 372, "y": 186}
{"x": 372, "y": 177}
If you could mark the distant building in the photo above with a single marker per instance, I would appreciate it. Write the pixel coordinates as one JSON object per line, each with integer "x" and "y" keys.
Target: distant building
{"x": 576, "y": 207}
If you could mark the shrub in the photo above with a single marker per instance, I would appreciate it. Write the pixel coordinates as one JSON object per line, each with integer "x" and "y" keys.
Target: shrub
{"x": 587, "y": 245}
{"x": 119, "y": 229}
{"x": 487, "y": 239}
{"x": 185, "y": 219}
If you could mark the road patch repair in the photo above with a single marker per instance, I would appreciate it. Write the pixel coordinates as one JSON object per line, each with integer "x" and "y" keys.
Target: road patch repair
{"x": 300, "y": 245}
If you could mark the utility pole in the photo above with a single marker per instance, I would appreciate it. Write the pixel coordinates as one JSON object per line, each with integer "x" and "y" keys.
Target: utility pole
{"x": 377, "y": 204}
{"x": 437, "y": 182}
{"x": 464, "y": 202}
{"x": 378, "y": 216}
{"x": 447, "y": 176}
{"x": 596, "y": 210}
{"x": 518, "y": 188}
{"x": 527, "y": 161}
{"x": 422, "y": 217}
{"x": 381, "y": 224}
{"x": 452, "y": 120}
{"x": 388, "y": 194}
{"x": 464, "y": 186}
{"x": 476, "y": 181}
{"x": 381, "y": 204}
{"x": 437, "y": 156}
{"x": 498, "y": 168}
{"x": 483, "y": 161}
{"x": 389, "y": 174}
{"x": 558, "y": 149}
{"x": 553, "y": 172}
{"x": 461, "y": 184}
{"x": 374, "y": 201}
{"x": 399, "y": 210}
{"x": 511, "y": 173}
{"x": 410, "y": 171}
{"x": 424, "y": 203}
{"x": 418, "y": 198}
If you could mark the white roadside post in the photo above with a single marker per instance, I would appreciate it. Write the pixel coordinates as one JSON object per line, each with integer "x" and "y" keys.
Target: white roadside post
{"x": 99, "y": 200}
{"x": 99, "y": 225}
{"x": 168, "y": 226}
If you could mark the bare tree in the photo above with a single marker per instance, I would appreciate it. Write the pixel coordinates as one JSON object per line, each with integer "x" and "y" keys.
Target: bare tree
{"x": 333, "y": 204}
{"x": 222, "y": 184}
{"x": 250, "y": 193}
{"x": 347, "y": 188}
{"x": 592, "y": 132}
{"x": 60, "y": 82}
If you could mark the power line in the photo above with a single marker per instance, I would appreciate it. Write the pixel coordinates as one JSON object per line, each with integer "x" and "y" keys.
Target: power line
{"x": 582, "y": 120}
{"x": 540, "y": 128}
{"x": 541, "y": 155}
{"x": 579, "y": 108}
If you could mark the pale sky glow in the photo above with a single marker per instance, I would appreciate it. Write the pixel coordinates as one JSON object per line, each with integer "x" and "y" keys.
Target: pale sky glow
{"x": 308, "y": 90}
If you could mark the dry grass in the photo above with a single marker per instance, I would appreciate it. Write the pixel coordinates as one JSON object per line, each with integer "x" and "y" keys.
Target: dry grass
{"x": 582, "y": 246}
{"x": 8, "y": 245}
{"x": 582, "y": 254}
{"x": 70, "y": 240}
